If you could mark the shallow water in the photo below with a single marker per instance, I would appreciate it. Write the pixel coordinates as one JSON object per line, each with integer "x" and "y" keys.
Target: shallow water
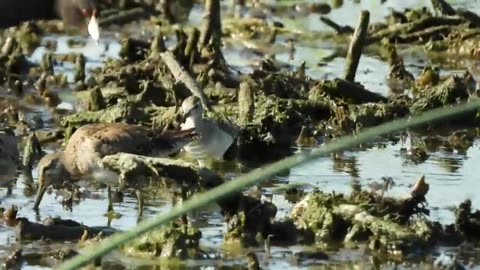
{"x": 452, "y": 176}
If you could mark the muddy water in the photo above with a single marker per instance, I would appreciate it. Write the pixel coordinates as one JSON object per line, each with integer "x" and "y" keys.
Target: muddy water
{"x": 452, "y": 176}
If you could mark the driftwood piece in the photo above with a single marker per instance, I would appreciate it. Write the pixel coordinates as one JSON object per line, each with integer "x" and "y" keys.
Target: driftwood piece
{"x": 57, "y": 230}
{"x": 181, "y": 75}
{"x": 425, "y": 34}
{"x": 123, "y": 16}
{"x": 414, "y": 26}
{"x": 356, "y": 45}
{"x": 378, "y": 225}
{"x": 133, "y": 165}
{"x": 338, "y": 28}
{"x": 177, "y": 170}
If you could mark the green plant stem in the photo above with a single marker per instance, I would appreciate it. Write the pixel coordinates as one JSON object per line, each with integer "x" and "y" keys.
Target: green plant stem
{"x": 90, "y": 253}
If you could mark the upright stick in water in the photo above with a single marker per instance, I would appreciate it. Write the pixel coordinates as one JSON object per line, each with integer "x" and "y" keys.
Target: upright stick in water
{"x": 356, "y": 45}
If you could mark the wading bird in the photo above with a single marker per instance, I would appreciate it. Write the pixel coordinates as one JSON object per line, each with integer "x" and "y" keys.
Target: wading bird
{"x": 82, "y": 158}
{"x": 215, "y": 136}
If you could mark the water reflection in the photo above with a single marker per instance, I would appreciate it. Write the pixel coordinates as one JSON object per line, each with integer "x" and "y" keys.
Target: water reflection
{"x": 347, "y": 164}
{"x": 451, "y": 175}
{"x": 450, "y": 164}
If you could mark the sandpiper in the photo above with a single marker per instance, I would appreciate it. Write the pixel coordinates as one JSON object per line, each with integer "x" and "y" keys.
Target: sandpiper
{"x": 9, "y": 156}
{"x": 215, "y": 137}
{"x": 82, "y": 158}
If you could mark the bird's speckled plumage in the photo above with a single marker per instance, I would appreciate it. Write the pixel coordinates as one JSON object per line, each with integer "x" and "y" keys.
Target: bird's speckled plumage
{"x": 87, "y": 146}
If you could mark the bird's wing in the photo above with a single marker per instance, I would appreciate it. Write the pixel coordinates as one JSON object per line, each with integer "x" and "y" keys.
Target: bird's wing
{"x": 170, "y": 142}
{"x": 229, "y": 128}
{"x": 123, "y": 138}
{"x": 90, "y": 143}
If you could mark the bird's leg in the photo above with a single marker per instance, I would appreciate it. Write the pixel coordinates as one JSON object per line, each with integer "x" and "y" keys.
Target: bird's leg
{"x": 110, "y": 212}
{"x": 138, "y": 192}
{"x": 122, "y": 181}
{"x": 9, "y": 190}
{"x": 184, "y": 217}
{"x": 110, "y": 205}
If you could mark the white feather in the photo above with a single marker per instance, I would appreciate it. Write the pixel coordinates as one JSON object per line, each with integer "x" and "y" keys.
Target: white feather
{"x": 93, "y": 29}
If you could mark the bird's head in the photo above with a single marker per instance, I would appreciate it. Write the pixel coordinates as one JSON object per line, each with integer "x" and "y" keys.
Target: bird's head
{"x": 192, "y": 107}
{"x": 78, "y": 13}
{"x": 51, "y": 171}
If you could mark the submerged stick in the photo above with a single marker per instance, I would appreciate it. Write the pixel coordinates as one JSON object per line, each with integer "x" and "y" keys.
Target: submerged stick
{"x": 79, "y": 72}
{"x": 124, "y": 16}
{"x": 57, "y": 230}
{"x": 411, "y": 27}
{"x": 356, "y": 45}
{"x": 181, "y": 75}
{"x": 338, "y": 28}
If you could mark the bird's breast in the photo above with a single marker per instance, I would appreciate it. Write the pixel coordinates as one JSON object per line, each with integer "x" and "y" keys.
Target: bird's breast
{"x": 212, "y": 144}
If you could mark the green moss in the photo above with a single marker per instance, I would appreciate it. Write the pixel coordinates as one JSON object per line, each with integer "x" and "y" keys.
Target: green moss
{"x": 174, "y": 241}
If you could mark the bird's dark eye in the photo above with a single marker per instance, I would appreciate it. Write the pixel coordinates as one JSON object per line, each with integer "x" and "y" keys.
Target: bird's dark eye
{"x": 86, "y": 12}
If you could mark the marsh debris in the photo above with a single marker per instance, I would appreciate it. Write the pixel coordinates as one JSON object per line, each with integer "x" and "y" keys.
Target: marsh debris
{"x": 175, "y": 240}
{"x": 56, "y": 229}
{"x": 277, "y": 106}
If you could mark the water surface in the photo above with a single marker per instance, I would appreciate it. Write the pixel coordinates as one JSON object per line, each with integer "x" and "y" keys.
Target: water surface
{"x": 453, "y": 177}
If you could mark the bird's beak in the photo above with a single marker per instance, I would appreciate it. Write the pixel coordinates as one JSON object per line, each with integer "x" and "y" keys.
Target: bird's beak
{"x": 93, "y": 28}
{"x": 41, "y": 191}
{"x": 185, "y": 115}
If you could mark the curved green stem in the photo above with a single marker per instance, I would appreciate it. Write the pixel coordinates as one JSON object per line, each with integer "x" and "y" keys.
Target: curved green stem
{"x": 90, "y": 253}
